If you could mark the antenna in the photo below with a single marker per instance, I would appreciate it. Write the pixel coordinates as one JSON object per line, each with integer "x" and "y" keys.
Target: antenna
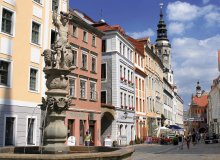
{"x": 100, "y": 14}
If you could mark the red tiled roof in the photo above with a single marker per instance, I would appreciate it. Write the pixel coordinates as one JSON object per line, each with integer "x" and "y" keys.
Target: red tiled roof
{"x": 139, "y": 46}
{"x": 105, "y": 27}
{"x": 201, "y": 101}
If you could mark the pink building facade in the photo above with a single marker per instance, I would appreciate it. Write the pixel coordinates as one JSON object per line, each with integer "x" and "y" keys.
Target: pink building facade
{"x": 84, "y": 82}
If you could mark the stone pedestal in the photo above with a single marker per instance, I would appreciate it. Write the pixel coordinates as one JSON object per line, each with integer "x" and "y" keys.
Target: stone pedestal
{"x": 55, "y": 106}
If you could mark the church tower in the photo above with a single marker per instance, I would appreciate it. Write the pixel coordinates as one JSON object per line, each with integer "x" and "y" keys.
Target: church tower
{"x": 163, "y": 47}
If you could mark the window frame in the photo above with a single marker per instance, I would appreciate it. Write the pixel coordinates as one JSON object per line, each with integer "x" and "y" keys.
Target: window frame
{"x": 9, "y": 75}
{"x": 105, "y": 96}
{"x": 80, "y": 94}
{"x": 86, "y": 38}
{"x": 95, "y": 91}
{"x": 34, "y": 130}
{"x": 104, "y": 79}
{"x": 14, "y": 128}
{"x": 37, "y": 79}
{"x": 86, "y": 54}
{"x": 76, "y": 50}
{"x": 13, "y": 24}
{"x": 76, "y": 31}
{"x": 40, "y": 3}
{"x": 73, "y": 78}
{"x": 58, "y": 9}
{"x": 94, "y": 57}
{"x": 40, "y": 33}
{"x": 94, "y": 41}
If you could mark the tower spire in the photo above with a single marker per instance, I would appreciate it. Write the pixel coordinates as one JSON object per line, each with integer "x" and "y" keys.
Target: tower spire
{"x": 161, "y": 11}
{"x": 161, "y": 27}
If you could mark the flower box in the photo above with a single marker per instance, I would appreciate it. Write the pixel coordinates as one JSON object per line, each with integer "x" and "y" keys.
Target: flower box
{"x": 122, "y": 78}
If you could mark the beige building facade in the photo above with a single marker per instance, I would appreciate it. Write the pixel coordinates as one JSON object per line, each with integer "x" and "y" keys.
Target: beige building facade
{"x": 26, "y": 30}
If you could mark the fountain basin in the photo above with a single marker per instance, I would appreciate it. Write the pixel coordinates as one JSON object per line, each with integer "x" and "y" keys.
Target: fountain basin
{"x": 67, "y": 153}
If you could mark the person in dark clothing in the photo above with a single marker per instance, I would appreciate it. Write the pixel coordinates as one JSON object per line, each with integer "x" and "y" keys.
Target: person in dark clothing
{"x": 188, "y": 141}
{"x": 194, "y": 138}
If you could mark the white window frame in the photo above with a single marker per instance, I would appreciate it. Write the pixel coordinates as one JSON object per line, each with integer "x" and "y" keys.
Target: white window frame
{"x": 87, "y": 34}
{"x": 84, "y": 53}
{"x": 40, "y": 33}
{"x": 105, "y": 95}
{"x": 75, "y": 49}
{"x": 92, "y": 56}
{"x": 94, "y": 45}
{"x": 76, "y": 34}
{"x": 13, "y": 21}
{"x": 15, "y": 128}
{"x": 35, "y": 130}
{"x": 59, "y": 7}
{"x": 41, "y": 2}
{"x": 10, "y": 69}
{"x": 37, "y": 81}
{"x": 72, "y": 77}
{"x": 85, "y": 88}
{"x": 96, "y": 96}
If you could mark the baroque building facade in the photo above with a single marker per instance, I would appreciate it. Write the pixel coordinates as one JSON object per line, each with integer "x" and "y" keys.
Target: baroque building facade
{"x": 118, "y": 81}
{"x": 85, "y": 81}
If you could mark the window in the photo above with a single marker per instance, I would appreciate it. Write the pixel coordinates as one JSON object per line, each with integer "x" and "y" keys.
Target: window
{"x": 33, "y": 79}
{"x": 121, "y": 47}
{"x": 70, "y": 128}
{"x": 38, "y": 1}
{"x": 125, "y": 101}
{"x": 85, "y": 36}
{"x": 93, "y": 91}
{"x": 104, "y": 97}
{"x": 84, "y": 61}
{"x": 55, "y": 4}
{"x": 94, "y": 40}
{"x": 121, "y": 98}
{"x": 103, "y": 72}
{"x": 72, "y": 87}
{"x": 30, "y": 131}
{"x": 93, "y": 64}
{"x": 53, "y": 38}
{"x": 9, "y": 131}
{"x": 74, "y": 31}
{"x": 7, "y": 21}
{"x": 35, "y": 33}
{"x": 121, "y": 72}
{"x": 74, "y": 60}
{"x": 4, "y": 73}
{"x": 124, "y": 73}
{"x": 82, "y": 89}
{"x": 103, "y": 45}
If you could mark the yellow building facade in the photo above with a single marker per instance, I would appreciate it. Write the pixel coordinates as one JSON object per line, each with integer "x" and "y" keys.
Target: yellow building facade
{"x": 26, "y": 30}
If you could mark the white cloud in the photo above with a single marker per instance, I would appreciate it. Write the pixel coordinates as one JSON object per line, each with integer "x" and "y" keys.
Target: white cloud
{"x": 185, "y": 13}
{"x": 213, "y": 18}
{"x": 182, "y": 11}
{"x": 147, "y": 33}
{"x": 194, "y": 60}
{"x": 178, "y": 28}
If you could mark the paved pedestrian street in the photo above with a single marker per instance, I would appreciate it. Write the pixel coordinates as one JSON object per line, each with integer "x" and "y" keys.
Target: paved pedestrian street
{"x": 170, "y": 152}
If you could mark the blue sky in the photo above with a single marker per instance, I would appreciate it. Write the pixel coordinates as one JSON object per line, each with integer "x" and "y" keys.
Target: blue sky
{"x": 193, "y": 30}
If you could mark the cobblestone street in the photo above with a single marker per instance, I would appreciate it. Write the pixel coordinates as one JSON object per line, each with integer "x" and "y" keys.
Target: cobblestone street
{"x": 170, "y": 152}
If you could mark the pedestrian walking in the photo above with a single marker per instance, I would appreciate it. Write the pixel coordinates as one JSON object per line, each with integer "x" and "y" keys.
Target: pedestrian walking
{"x": 188, "y": 139}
